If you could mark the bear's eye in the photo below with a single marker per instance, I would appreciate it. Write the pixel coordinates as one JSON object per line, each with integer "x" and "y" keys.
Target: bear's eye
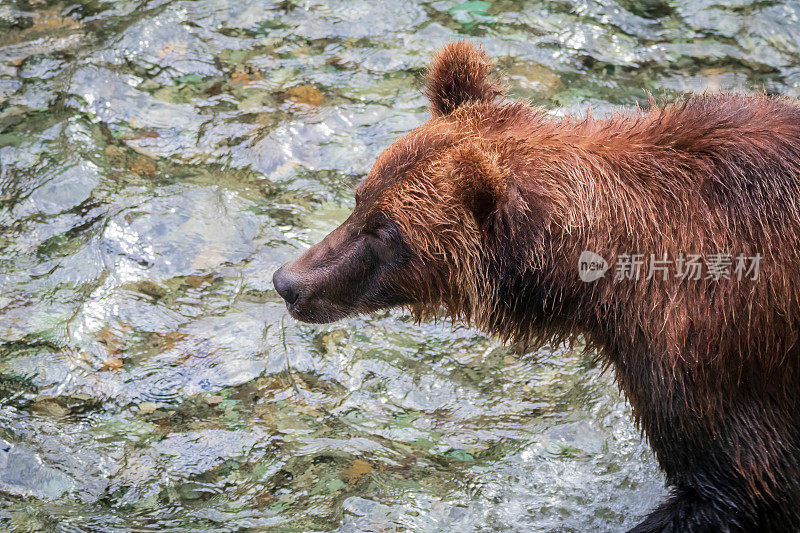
{"x": 372, "y": 229}
{"x": 379, "y": 226}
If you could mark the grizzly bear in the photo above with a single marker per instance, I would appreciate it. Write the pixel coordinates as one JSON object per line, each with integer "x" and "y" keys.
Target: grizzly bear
{"x": 489, "y": 210}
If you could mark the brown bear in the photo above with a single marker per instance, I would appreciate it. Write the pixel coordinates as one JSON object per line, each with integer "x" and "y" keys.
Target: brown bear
{"x": 489, "y": 210}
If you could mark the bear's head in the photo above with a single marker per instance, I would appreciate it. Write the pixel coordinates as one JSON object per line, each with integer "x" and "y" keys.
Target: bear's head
{"x": 435, "y": 222}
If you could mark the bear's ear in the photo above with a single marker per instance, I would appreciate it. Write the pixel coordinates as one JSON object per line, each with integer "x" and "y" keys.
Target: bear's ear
{"x": 480, "y": 180}
{"x": 459, "y": 74}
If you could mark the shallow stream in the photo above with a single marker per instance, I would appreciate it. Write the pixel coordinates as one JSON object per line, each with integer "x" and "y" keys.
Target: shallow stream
{"x": 159, "y": 160}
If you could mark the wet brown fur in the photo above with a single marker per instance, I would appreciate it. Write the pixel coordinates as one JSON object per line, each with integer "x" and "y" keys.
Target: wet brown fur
{"x": 497, "y": 200}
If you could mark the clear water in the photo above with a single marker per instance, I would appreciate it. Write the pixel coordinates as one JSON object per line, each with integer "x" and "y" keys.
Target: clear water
{"x": 159, "y": 159}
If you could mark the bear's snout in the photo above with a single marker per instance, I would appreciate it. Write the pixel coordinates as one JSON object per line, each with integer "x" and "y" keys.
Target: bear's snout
{"x": 286, "y": 284}
{"x": 318, "y": 286}
{"x": 352, "y": 270}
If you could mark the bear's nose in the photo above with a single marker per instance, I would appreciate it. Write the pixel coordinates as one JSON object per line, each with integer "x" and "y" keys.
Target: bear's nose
{"x": 286, "y": 285}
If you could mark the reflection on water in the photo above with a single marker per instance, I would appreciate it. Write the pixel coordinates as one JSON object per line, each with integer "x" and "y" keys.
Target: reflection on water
{"x": 159, "y": 159}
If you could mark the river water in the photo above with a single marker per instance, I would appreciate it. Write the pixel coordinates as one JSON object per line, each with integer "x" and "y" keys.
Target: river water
{"x": 159, "y": 160}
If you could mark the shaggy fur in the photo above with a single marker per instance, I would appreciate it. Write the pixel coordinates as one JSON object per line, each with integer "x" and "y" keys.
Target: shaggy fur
{"x": 494, "y": 201}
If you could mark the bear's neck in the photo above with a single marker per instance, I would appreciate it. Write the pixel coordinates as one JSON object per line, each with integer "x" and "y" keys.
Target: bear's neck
{"x": 601, "y": 189}
{"x": 609, "y": 195}
{"x": 621, "y": 192}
